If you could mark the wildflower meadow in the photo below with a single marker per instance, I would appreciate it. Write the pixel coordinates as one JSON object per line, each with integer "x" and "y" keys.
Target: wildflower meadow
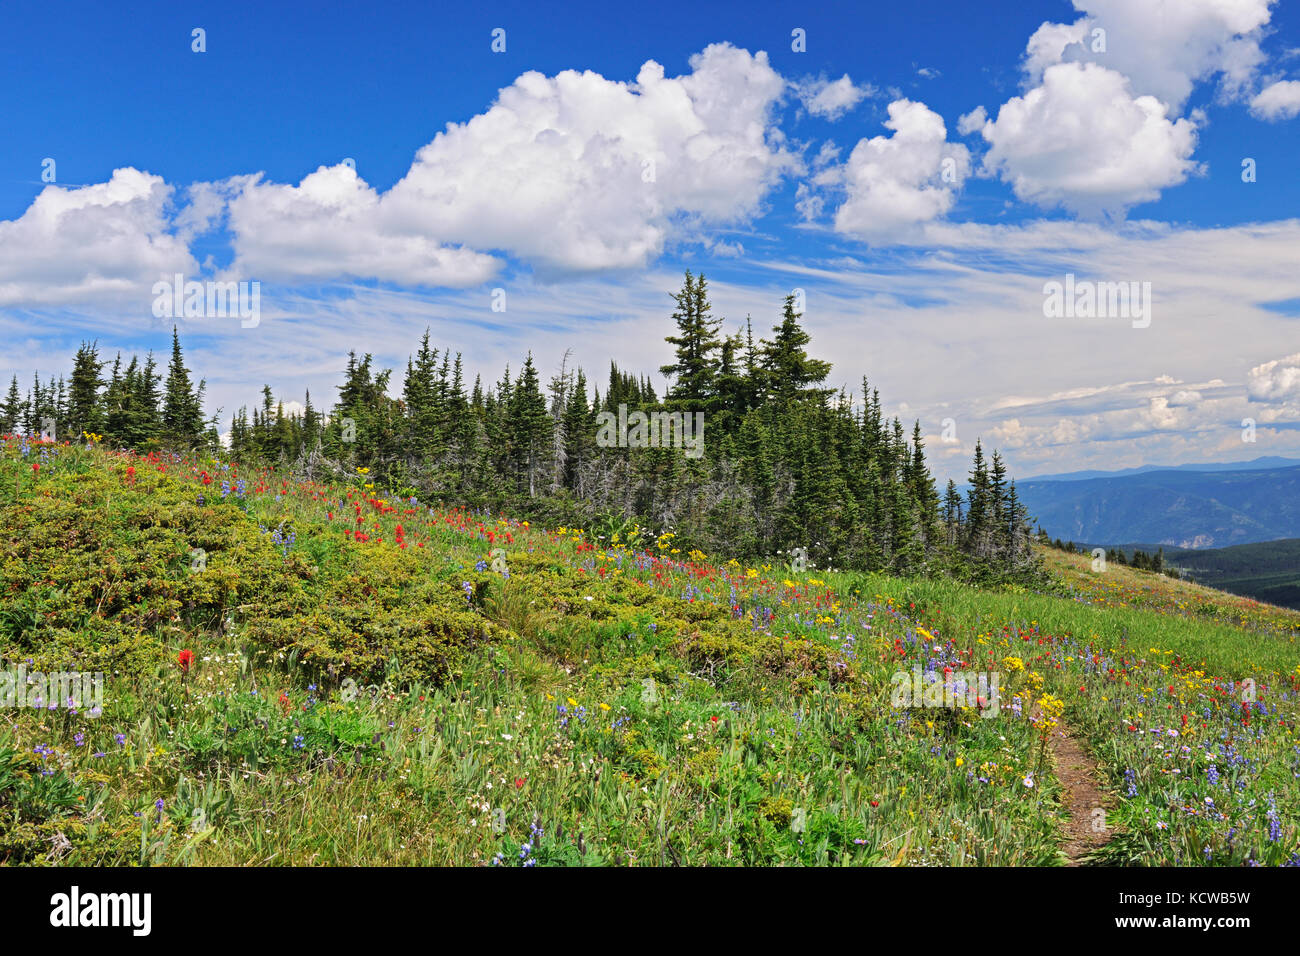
{"x": 325, "y": 673}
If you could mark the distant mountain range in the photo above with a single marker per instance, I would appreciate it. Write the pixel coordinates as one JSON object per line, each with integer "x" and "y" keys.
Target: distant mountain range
{"x": 1256, "y": 464}
{"x": 1190, "y": 506}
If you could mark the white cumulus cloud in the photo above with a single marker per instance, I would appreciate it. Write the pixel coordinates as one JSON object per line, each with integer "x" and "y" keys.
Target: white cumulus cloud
{"x": 578, "y": 172}
{"x": 1277, "y": 101}
{"x": 332, "y": 225}
{"x": 1164, "y": 47}
{"x": 893, "y": 184}
{"x": 567, "y": 173}
{"x": 1097, "y": 128}
{"x": 1276, "y": 381}
{"x": 91, "y": 242}
{"x": 1081, "y": 140}
{"x": 831, "y": 99}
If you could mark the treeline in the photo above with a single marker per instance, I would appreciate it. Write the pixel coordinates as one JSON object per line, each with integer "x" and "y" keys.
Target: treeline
{"x": 786, "y": 461}
{"x": 136, "y": 405}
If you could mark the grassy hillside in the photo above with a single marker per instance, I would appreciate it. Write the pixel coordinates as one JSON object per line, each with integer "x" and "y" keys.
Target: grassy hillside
{"x": 1188, "y": 509}
{"x": 376, "y": 680}
{"x": 1267, "y": 571}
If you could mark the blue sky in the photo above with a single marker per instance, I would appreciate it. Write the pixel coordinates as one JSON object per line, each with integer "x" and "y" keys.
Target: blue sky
{"x": 919, "y": 170}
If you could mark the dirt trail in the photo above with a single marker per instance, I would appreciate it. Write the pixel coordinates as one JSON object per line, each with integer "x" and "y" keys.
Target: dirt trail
{"x": 1086, "y": 829}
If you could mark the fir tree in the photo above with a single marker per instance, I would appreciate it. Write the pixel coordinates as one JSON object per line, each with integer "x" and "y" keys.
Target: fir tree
{"x": 84, "y": 412}
{"x": 579, "y": 436}
{"x": 12, "y": 412}
{"x": 182, "y": 416}
{"x": 790, "y": 373}
{"x": 530, "y": 425}
{"x": 694, "y": 370}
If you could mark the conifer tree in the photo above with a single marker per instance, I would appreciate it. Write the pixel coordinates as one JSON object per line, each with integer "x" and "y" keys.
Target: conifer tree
{"x": 310, "y": 426}
{"x": 11, "y": 413}
{"x": 419, "y": 391}
{"x": 921, "y": 487}
{"x": 732, "y": 385}
{"x": 530, "y": 425}
{"x": 952, "y": 514}
{"x": 112, "y": 402}
{"x": 182, "y": 416}
{"x": 788, "y": 462}
{"x": 147, "y": 402}
{"x": 84, "y": 412}
{"x": 36, "y": 410}
{"x": 999, "y": 519}
{"x": 694, "y": 370}
{"x": 790, "y": 373}
{"x": 978, "y": 509}
{"x": 579, "y": 434}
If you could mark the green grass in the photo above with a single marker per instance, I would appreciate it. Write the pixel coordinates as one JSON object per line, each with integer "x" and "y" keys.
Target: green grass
{"x": 1209, "y": 634}
{"x": 354, "y": 701}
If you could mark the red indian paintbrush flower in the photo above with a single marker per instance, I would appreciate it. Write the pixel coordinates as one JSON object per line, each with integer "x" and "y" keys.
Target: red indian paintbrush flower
{"x": 185, "y": 659}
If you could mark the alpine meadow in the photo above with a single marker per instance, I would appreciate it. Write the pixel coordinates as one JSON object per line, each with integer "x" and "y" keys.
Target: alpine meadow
{"x": 738, "y": 437}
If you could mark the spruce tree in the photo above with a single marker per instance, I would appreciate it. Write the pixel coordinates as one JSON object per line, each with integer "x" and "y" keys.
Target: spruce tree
{"x": 310, "y": 426}
{"x": 182, "y": 416}
{"x": 11, "y": 413}
{"x": 952, "y": 514}
{"x": 84, "y": 413}
{"x": 419, "y": 391}
{"x": 790, "y": 373}
{"x": 999, "y": 519}
{"x": 530, "y": 425}
{"x": 36, "y": 410}
{"x": 147, "y": 422}
{"x": 694, "y": 370}
{"x": 979, "y": 508}
{"x": 732, "y": 385}
{"x": 579, "y": 436}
